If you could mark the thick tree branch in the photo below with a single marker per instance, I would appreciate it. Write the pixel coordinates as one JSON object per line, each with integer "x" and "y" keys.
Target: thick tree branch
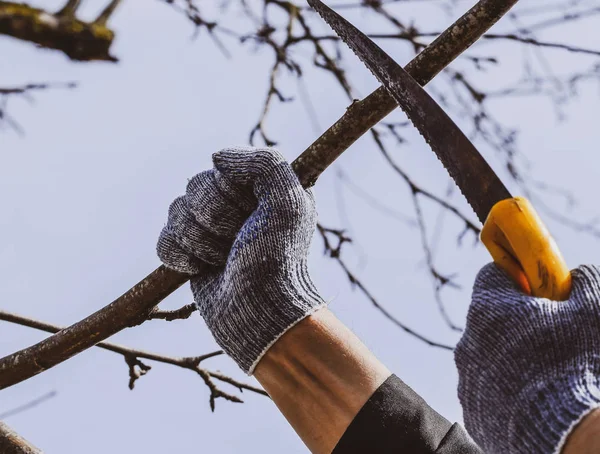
{"x": 79, "y": 40}
{"x": 13, "y": 443}
{"x": 133, "y": 358}
{"x": 135, "y": 305}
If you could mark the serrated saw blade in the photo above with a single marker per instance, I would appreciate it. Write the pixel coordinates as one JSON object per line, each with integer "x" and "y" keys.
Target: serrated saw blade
{"x": 472, "y": 174}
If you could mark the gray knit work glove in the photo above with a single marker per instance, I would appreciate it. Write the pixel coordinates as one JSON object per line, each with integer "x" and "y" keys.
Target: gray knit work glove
{"x": 244, "y": 230}
{"x": 529, "y": 368}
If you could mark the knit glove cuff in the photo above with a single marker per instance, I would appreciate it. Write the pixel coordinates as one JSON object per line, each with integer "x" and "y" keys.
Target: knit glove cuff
{"x": 550, "y": 410}
{"x": 529, "y": 367}
{"x": 246, "y": 335}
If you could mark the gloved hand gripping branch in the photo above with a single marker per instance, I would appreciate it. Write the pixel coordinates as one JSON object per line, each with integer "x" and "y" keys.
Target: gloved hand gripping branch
{"x": 243, "y": 230}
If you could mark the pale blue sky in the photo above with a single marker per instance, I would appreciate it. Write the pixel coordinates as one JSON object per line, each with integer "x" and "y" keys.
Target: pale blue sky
{"x": 85, "y": 192}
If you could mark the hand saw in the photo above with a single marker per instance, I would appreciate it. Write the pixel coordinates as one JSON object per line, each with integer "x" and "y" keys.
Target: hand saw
{"x": 513, "y": 233}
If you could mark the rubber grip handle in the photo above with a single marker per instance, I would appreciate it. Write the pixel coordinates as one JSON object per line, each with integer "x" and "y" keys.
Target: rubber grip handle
{"x": 521, "y": 245}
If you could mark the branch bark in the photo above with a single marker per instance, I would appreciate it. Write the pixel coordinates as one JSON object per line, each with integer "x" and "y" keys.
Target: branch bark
{"x": 135, "y": 306}
{"x": 79, "y": 40}
{"x": 13, "y": 443}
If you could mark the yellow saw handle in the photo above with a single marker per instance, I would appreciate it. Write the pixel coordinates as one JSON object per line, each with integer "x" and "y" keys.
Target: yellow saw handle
{"x": 521, "y": 245}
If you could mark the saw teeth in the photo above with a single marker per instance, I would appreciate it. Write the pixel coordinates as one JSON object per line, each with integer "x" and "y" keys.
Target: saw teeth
{"x": 475, "y": 179}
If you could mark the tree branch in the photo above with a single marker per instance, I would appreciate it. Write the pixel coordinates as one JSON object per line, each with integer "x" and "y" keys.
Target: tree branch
{"x": 535, "y": 42}
{"x": 13, "y": 443}
{"x": 411, "y": 36}
{"x": 334, "y": 253}
{"x": 79, "y": 40}
{"x": 133, "y": 358}
{"x": 24, "y": 91}
{"x": 28, "y": 406}
{"x": 135, "y": 305}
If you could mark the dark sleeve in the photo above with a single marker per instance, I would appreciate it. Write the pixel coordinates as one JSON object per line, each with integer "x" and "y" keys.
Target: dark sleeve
{"x": 397, "y": 420}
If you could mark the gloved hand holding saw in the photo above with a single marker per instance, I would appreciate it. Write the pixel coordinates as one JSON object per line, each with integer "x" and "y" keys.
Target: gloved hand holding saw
{"x": 529, "y": 368}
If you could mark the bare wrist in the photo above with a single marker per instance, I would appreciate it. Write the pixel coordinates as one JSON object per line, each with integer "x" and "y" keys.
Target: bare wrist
{"x": 320, "y": 375}
{"x": 585, "y": 437}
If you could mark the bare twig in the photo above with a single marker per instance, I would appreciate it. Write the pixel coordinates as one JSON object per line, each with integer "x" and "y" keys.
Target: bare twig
{"x": 334, "y": 252}
{"x": 538, "y": 43}
{"x": 374, "y": 202}
{"x": 137, "y": 368}
{"x": 419, "y": 191}
{"x": 27, "y": 406}
{"x": 183, "y": 313}
{"x": 563, "y": 18}
{"x": 413, "y": 36}
{"x": 439, "y": 280}
{"x": 24, "y": 91}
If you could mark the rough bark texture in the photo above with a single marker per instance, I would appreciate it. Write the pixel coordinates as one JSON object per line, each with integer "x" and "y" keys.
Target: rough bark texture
{"x": 83, "y": 41}
{"x": 133, "y": 307}
{"x": 12, "y": 443}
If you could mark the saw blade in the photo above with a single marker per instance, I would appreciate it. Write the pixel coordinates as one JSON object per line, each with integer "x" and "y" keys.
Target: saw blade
{"x": 471, "y": 173}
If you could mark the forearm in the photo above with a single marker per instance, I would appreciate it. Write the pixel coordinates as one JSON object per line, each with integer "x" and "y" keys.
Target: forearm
{"x": 319, "y": 374}
{"x": 585, "y": 438}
